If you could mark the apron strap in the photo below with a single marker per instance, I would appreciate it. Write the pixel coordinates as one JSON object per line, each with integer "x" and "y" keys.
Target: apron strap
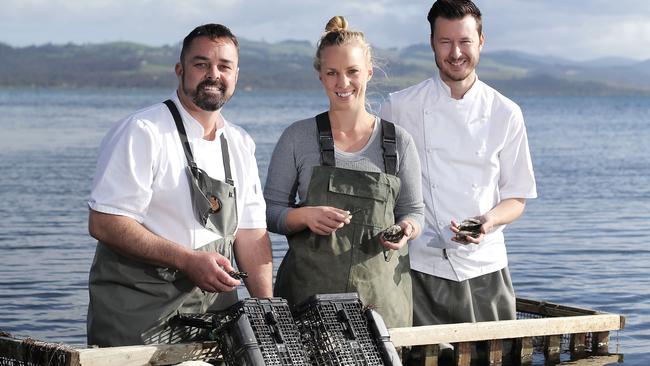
{"x": 326, "y": 142}
{"x": 389, "y": 145}
{"x": 186, "y": 144}
{"x": 181, "y": 132}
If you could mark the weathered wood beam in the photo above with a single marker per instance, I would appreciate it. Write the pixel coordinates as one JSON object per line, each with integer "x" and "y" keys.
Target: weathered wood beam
{"x": 578, "y": 345}
{"x": 552, "y": 350}
{"x": 523, "y": 349}
{"x": 168, "y": 354}
{"x": 495, "y": 352}
{"x": 469, "y": 332}
{"x": 600, "y": 343}
{"x": 463, "y": 353}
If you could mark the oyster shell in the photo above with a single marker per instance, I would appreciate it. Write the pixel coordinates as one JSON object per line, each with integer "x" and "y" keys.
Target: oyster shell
{"x": 469, "y": 227}
{"x": 393, "y": 233}
{"x": 238, "y": 275}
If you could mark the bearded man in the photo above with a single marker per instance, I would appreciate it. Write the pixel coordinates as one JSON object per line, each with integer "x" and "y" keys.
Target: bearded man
{"x": 162, "y": 248}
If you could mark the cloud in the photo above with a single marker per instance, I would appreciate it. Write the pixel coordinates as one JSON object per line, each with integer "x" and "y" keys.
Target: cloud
{"x": 557, "y": 27}
{"x": 569, "y": 29}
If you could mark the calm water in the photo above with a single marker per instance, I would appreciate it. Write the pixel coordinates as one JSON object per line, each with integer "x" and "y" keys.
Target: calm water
{"x": 582, "y": 243}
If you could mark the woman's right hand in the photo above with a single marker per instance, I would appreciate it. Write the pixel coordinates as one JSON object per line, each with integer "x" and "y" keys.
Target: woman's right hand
{"x": 321, "y": 220}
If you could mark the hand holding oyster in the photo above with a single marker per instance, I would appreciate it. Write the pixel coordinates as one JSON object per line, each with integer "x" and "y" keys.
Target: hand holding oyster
{"x": 469, "y": 227}
{"x": 393, "y": 233}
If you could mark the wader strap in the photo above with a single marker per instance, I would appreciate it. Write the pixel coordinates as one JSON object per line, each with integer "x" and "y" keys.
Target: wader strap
{"x": 326, "y": 141}
{"x": 389, "y": 145}
{"x": 186, "y": 144}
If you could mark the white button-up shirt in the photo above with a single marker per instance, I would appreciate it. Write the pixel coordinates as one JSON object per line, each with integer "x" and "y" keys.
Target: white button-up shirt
{"x": 141, "y": 174}
{"x": 474, "y": 154}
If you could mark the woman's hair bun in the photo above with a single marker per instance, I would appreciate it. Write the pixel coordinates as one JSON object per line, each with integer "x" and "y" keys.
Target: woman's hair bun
{"x": 336, "y": 24}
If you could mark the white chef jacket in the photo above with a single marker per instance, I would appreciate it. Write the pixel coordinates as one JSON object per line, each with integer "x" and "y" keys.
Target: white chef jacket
{"x": 474, "y": 154}
{"x": 141, "y": 174}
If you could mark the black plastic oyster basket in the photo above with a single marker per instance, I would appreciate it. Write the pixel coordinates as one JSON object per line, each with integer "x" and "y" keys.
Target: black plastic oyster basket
{"x": 253, "y": 331}
{"x": 337, "y": 331}
{"x": 260, "y": 332}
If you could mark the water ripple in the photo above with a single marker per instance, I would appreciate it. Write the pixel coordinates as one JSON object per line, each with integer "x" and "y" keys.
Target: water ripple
{"x": 581, "y": 243}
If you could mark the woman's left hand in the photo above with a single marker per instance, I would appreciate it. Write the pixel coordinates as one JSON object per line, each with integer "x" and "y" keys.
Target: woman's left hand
{"x": 408, "y": 230}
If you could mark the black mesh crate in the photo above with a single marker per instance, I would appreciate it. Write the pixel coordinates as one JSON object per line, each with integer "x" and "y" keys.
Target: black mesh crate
{"x": 337, "y": 331}
{"x": 260, "y": 332}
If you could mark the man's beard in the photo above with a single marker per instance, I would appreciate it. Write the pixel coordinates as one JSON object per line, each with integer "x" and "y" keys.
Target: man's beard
{"x": 445, "y": 70}
{"x": 208, "y": 101}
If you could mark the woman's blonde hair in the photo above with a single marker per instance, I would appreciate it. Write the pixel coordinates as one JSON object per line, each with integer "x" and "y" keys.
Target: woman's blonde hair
{"x": 338, "y": 34}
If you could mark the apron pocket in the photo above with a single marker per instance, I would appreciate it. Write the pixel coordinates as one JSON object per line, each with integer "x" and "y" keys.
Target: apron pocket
{"x": 363, "y": 186}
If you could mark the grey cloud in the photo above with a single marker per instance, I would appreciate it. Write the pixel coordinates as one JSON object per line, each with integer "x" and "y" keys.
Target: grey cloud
{"x": 558, "y": 27}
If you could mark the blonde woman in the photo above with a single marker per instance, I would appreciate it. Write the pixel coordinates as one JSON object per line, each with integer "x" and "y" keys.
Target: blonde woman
{"x": 337, "y": 180}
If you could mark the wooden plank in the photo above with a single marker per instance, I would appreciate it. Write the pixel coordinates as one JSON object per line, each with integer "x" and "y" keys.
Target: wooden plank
{"x": 606, "y": 360}
{"x": 167, "y": 354}
{"x": 578, "y": 345}
{"x": 551, "y": 309}
{"x": 469, "y": 332}
{"x": 495, "y": 351}
{"x": 431, "y": 355}
{"x": 524, "y": 350}
{"x": 552, "y": 348}
{"x": 463, "y": 353}
{"x": 600, "y": 343}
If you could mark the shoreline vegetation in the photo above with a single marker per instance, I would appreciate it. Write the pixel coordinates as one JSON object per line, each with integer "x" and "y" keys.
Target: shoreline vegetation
{"x": 287, "y": 66}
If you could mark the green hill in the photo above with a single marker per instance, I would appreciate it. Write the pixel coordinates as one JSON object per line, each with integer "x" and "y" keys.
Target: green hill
{"x": 288, "y": 66}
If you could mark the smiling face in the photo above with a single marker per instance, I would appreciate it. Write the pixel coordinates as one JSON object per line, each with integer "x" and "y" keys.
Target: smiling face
{"x": 345, "y": 72}
{"x": 457, "y": 46}
{"x": 208, "y": 73}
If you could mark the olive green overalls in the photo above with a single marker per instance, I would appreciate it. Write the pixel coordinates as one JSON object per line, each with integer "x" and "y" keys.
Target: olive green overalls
{"x": 351, "y": 259}
{"x": 129, "y": 299}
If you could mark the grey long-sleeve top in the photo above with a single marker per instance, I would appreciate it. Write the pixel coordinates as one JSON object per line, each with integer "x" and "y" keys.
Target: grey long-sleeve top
{"x": 297, "y": 152}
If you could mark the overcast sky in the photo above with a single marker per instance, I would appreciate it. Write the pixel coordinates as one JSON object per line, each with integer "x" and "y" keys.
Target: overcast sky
{"x": 573, "y": 29}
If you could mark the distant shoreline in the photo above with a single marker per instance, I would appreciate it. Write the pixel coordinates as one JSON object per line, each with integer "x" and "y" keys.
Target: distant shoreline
{"x": 287, "y": 66}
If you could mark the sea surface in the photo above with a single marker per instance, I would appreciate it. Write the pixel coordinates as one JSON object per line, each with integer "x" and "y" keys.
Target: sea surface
{"x": 583, "y": 242}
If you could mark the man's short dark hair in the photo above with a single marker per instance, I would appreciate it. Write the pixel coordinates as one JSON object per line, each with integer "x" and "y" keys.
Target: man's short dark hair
{"x": 212, "y": 31}
{"x": 454, "y": 9}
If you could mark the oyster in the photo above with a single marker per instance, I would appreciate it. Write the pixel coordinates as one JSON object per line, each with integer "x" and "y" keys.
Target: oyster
{"x": 393, "y": 233}
{"x": 238, "y": 275}
{"x": 469, "y": 227}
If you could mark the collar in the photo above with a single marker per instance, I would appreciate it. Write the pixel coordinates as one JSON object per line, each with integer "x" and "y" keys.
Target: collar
{"x": 445, "y": 90}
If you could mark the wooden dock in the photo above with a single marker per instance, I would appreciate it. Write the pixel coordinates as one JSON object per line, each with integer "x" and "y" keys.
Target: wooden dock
{"x": 547, "y": 328}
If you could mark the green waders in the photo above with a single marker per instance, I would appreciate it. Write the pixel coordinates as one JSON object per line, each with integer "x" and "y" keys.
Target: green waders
{"x": 130, "y": 299}
{"x": 352, "y": 258}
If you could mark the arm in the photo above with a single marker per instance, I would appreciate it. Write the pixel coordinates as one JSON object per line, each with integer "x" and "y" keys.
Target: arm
{"x": 253, "y": 255}
{"x": 409, "y": 209}
{"x": 505, "y": 212}
{"x": 125, "y": 235}
{"x": 516, "y": 180}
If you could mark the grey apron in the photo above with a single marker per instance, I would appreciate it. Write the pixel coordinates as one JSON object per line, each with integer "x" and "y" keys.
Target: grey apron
{"x": 130, "y": 299}
{"x": 352, "y": 258}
